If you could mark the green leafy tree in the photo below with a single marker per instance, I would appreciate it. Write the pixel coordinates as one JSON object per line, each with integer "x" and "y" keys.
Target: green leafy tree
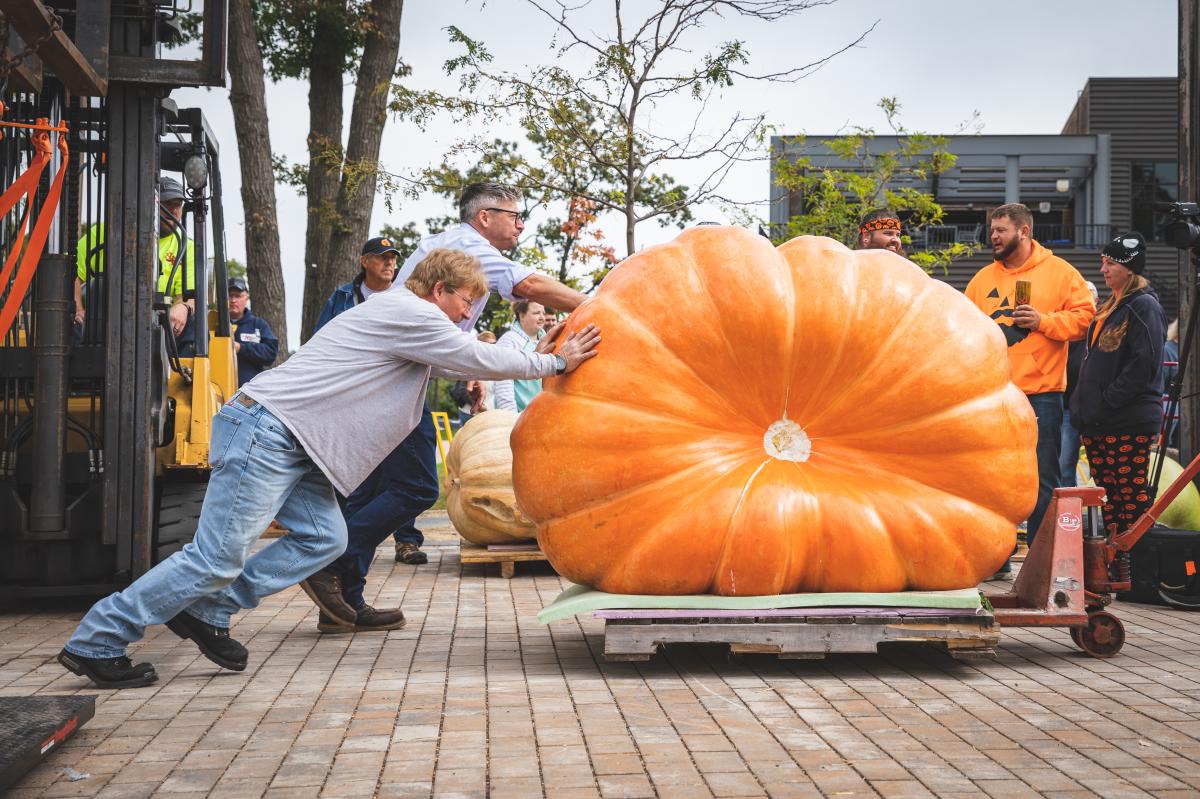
{"x": 835, "y": 199}
{"x": 235, "y": 268}
{"x": 324, "y": 42}
{"x": 590, "y": 122}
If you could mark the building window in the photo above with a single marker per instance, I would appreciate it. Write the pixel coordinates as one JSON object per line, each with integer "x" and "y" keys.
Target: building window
{"x": 1152, "y": 182}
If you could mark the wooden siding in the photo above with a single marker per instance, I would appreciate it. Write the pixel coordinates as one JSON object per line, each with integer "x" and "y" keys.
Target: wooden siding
{"x": 1142, "y": 115}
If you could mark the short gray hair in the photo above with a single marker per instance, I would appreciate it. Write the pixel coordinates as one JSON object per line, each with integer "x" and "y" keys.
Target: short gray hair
{"x": 478, "y": 196}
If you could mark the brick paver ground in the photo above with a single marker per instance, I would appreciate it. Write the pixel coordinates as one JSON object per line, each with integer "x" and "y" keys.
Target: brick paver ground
{"x": 475, "y": 698}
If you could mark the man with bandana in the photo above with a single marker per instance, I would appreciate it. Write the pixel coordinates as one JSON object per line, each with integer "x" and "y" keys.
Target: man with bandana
{"x": 1038, "y": 331}
{"x": 880, "y": 230}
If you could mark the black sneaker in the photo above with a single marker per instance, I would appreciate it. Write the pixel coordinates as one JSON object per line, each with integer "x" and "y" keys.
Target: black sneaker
{"x": 214, "y": 642}
{"x": 118, "y": 672}
{"x": 411, "y": 554}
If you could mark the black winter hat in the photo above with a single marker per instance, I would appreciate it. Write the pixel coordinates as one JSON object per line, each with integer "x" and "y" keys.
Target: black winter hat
{"x": 1129, "y": 250}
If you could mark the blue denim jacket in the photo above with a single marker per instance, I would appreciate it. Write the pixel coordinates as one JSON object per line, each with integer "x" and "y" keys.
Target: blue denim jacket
{"x": 342, "y": 299}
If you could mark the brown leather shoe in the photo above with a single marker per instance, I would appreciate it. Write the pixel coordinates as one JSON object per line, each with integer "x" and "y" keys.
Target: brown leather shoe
{"x": 328, "y": 624}
{"x": 369, "y": 620}
{"x": 324, "y": 588}
{"x": 411, "y": 554}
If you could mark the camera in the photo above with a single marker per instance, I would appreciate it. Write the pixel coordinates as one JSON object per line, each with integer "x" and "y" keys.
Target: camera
{"x": 1183, "y": 231}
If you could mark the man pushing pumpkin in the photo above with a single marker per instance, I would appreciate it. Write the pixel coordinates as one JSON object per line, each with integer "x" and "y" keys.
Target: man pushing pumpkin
{"x": 321, "y": 421}
{"x": 405, "y": 483}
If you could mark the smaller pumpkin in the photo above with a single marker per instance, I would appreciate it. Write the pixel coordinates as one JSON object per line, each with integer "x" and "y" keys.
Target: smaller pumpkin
{"x": 480, "y": 498}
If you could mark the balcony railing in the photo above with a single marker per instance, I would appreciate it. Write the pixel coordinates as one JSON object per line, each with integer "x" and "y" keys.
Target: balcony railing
{"x": 1086, "y": 237}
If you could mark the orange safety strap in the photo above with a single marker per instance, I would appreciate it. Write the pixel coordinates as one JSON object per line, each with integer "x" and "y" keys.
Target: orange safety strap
{"x": 26, "y": 186}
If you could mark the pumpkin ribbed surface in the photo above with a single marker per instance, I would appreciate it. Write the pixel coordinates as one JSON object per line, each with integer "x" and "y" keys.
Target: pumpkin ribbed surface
{"x": 764, "y": 421}
{"x": 480, "y": 500}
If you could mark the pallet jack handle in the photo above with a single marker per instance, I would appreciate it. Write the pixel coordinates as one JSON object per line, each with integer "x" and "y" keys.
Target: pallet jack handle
{"x": 1125, "y": 541}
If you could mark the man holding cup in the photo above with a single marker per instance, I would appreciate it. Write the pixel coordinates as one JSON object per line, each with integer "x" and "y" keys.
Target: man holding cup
{"x": 1041, "y": 303}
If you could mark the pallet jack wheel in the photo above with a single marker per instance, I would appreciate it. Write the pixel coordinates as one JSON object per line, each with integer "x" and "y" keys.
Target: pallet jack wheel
{"x": 1076, "y": 637}
{"x": 1103, "y": 637}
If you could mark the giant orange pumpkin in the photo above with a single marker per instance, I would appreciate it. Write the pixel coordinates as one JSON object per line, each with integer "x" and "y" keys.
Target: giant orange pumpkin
{"x": 763, "y": 421}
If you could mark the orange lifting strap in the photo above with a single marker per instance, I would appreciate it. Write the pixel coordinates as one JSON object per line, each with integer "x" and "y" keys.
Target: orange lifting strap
{"x": 25, "y": 187}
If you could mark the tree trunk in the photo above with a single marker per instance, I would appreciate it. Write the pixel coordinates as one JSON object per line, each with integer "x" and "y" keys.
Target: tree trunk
{"x": 247, "y": 97}
{"x": 368, "y": 115}
{"x": 324, "y": 157}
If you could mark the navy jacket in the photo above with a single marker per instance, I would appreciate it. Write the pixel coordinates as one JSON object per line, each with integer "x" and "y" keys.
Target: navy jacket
{"x": 259, "y": 346}
{"x": 1120, "y": 384}
{"x": 342, "y": 299}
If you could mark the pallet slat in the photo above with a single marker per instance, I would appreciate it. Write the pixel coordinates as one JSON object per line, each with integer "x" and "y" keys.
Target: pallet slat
{"x": 799, "y": 637}
{"x": 507, "y": 558}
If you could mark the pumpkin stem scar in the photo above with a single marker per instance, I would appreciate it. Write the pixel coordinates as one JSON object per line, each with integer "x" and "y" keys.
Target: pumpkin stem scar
{"x": 786, "y": 441}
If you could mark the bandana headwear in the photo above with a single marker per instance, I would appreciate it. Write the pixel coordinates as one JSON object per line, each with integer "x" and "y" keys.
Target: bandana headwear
{"x": 886, "y": 223}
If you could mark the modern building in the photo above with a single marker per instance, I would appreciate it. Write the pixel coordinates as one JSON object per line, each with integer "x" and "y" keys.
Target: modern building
{"x": 1117, "y": 155}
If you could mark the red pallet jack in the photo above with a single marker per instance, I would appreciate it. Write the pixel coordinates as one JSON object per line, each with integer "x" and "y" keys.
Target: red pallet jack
{"x": 1074, "y": 567}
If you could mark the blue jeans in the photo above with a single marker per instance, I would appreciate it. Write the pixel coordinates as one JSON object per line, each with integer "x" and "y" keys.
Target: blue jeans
{"x": 1049, "y": 410}
{"x": 400, "y": 489}
{"x": 259, "y": 473}
{"x": 1069, "y": 458}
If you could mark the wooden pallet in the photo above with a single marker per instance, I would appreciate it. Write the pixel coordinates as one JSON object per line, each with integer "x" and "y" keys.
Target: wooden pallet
{"x": 799, "y": 633}
{"x": 507, "y": 555}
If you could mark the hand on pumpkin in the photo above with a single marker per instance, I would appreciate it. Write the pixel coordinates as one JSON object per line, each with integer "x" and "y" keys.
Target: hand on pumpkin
{"x": 476, "y": 392}
{"x": 1026, "y": 316}
{"x": 577, "y": 348}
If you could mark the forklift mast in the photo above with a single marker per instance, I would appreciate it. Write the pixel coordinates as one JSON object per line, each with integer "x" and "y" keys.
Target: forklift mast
{"x": 83, "y": 404}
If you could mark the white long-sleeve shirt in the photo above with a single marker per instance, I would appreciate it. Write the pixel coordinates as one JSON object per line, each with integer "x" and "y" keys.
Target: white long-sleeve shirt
{"x": 356, "y": 389}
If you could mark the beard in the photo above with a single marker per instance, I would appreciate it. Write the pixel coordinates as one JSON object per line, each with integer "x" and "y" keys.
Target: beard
{"x": 1007, "y": 249}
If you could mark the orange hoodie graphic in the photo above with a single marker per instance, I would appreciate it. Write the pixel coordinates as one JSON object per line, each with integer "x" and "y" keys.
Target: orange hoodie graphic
{"x": 1038, "y": 357}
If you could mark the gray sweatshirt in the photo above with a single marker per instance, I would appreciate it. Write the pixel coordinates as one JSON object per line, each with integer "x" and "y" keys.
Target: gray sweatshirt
{"x": 356, "y": 389}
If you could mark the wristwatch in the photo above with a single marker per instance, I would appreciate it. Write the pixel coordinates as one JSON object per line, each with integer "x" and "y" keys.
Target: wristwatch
{"x": 561, "y": 364}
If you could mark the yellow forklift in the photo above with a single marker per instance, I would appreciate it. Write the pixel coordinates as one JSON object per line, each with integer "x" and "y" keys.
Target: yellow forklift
{"x": 104, "y": 423}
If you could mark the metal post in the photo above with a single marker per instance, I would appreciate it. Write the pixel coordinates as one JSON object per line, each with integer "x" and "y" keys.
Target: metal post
{"x": 1103, "y": 182}
{"x": 1012, "y": 179}
{"x": 1189, "y": 191}
{"x": 52, "y": 309}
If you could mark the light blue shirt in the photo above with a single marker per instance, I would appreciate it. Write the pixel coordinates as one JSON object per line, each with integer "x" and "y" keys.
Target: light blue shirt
{"x": 501, "y": 273}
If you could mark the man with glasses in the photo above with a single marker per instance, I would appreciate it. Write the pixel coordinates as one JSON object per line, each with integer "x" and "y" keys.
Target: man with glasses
{"x": 405, "y": 485}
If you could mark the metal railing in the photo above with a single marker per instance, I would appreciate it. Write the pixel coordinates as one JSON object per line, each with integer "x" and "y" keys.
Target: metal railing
{"x": 1089, "y": 237}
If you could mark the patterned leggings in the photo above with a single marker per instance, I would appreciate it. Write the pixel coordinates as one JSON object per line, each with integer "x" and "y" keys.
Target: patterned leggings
{"x": 1119, "y": 465}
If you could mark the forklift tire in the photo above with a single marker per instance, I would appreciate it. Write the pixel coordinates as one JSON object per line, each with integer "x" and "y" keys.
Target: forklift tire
{"x": 178, "y": 514}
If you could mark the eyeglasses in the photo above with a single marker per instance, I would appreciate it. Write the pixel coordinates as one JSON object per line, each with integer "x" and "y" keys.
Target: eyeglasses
{"x": 470, "y": 302}
{"x": 517, "y": 215}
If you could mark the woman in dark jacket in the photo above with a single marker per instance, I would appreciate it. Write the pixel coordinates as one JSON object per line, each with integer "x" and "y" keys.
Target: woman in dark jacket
{"x": 1117, "y": 403}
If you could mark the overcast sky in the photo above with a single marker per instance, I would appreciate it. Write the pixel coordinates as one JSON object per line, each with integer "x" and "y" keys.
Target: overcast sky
{"x": 1020, "y": 64}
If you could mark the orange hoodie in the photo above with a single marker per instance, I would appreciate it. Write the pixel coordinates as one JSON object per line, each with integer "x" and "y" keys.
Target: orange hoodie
{"x": 1058, "y": 292}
